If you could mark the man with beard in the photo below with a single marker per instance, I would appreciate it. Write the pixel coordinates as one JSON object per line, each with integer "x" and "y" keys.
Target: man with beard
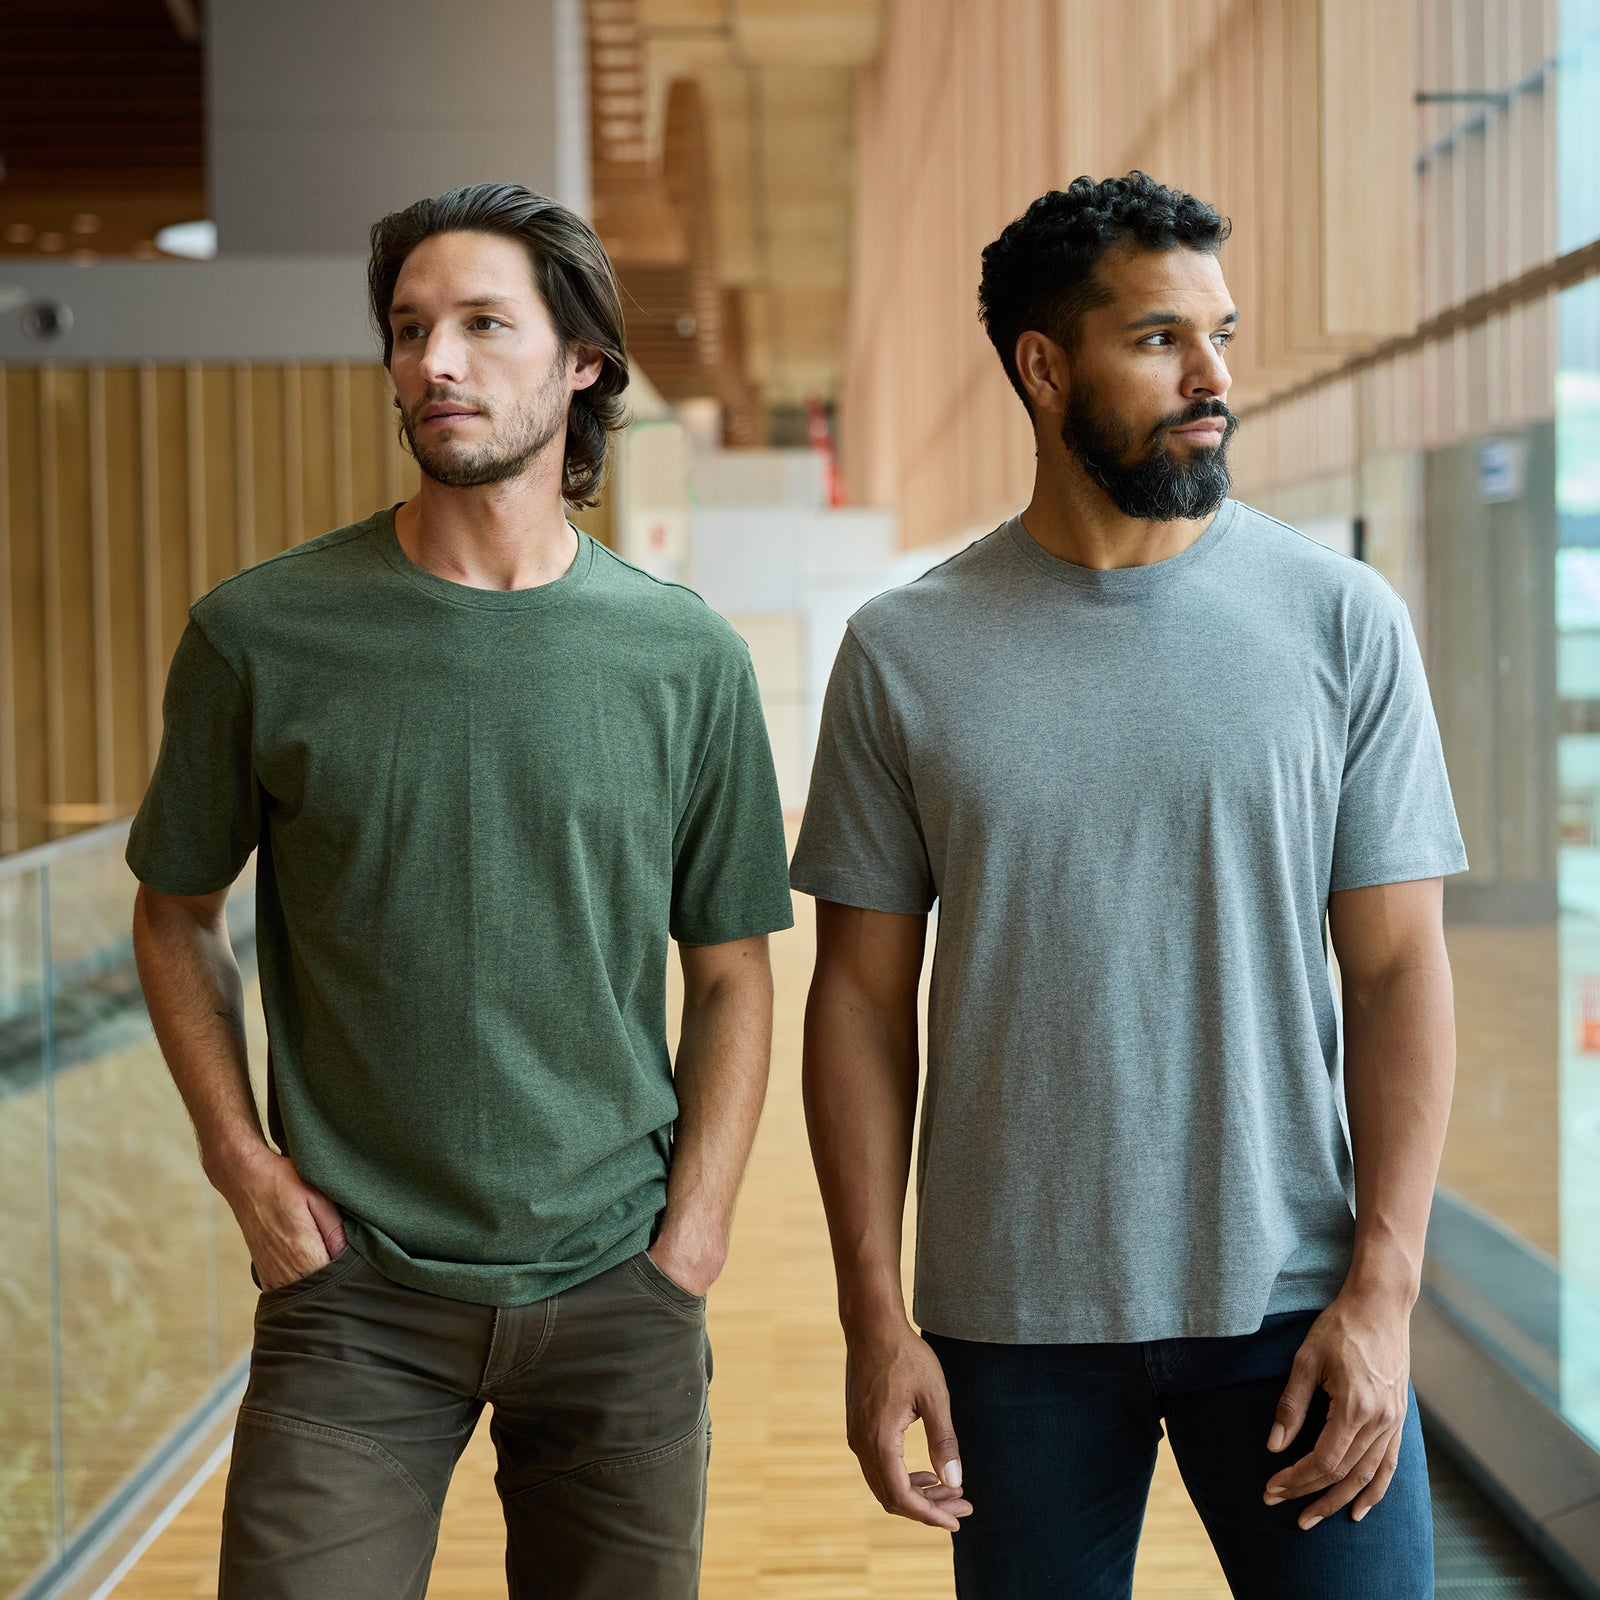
{"x": 488, "y": 768}
{"x": 1139, "y": 743}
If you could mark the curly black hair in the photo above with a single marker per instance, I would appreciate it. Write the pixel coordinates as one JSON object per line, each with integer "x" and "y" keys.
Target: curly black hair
{"x": 575, "y": 279}
{"x": 1039, "y": 275}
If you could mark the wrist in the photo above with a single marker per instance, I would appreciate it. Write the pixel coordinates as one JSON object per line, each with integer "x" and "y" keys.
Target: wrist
{"x": 232, "y": 1167}
{"x": 873, "y": 1313}
{"x": 1383, "y": 1280}
{"x": 703, "y": 1240}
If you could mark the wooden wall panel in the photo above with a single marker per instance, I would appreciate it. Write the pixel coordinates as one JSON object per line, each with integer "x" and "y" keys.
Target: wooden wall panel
{"x": 1368, "y": 168}
{"x": 972, "y": 111}
{"x": 124, "y": 644}
{"x": 1357, "y": 212}
{"x": 66, "y": 466}
{"x": 27, "y": 684}
{"x": 125, "y": 492}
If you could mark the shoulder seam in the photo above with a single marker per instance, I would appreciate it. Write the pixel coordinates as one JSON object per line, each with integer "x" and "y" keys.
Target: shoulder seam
{"x": 211, "y": 645}
{"x": 1300, "y": 533}
{"x": 308, "y": 547}
{"x": 669, "y": 583}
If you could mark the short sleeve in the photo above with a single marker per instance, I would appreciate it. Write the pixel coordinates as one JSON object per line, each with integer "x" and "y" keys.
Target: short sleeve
{"x": 1396, "y": 819}
{"x": 728, "y": 877}
{"x": 201, "y": 815}
{"x": 861, "y": 843}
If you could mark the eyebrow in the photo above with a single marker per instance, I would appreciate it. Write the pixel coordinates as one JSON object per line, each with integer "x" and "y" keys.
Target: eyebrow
{"x": 476, "y": 302}
{"x": 1172, "y": 319}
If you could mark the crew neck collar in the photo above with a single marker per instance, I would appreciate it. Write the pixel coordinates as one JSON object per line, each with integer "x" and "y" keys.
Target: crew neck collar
{"x": 464, "y": 594}
{"x": 1123, "y": 580}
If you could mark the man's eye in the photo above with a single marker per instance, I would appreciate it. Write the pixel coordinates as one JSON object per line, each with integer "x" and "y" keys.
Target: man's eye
{"x": 409, "y": 332}
{"x": 1154, "y": 337}
{"x": 482, "y": 323}
{"x": 1222, "y": 338}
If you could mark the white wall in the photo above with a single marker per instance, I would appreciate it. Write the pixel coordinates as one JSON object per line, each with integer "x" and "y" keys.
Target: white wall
{"x": 322, "y": 117}
{"x": 788, "y": 577}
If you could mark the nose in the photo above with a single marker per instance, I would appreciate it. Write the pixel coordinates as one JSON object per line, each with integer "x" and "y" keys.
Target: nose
{"x": 443, "y": 357}
{"x": 1208, "y": 376}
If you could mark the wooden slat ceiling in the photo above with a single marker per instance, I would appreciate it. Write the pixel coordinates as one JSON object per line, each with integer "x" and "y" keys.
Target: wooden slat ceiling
{"x": 778, "y": 80}
{"x": 102, "y": 124}
{"x": 722, "y": 166}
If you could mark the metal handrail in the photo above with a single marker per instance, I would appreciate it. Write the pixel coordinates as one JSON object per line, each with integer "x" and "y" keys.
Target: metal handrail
{"x": 41, "y": 855}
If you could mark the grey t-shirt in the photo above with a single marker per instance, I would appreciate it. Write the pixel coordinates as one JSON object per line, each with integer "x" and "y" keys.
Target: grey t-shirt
{"x": 1131, "y": 793}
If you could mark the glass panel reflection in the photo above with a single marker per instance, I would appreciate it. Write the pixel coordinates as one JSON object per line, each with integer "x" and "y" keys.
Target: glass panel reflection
{"x": 1578, "y": 624}
{"x": 139, "y": 1336}
{"x": 28, "y": 1468}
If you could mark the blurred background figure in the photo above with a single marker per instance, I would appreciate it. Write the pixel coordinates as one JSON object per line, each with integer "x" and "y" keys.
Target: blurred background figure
{"x": 795, "y": 193}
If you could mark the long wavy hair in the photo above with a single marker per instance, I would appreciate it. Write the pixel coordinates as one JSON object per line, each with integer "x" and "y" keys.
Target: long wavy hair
{"x": 574, "y": 278}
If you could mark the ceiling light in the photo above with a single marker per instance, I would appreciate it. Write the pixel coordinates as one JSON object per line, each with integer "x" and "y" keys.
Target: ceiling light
{"x": 19, "y": 232}
{"x": 51, "y": 241}
{"x": 197, "y": 241}
{"x": 86, "y": 222}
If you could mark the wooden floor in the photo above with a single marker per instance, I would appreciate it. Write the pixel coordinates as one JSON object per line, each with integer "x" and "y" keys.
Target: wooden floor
{"x": 789, "y": 1516}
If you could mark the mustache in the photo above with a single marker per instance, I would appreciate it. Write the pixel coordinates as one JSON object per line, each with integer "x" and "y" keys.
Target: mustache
{"x": 445, "y": 397}
{"x": 1200, "y": 411}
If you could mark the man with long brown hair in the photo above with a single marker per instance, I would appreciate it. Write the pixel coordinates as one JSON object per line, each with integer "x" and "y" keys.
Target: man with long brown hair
{"x": 488, "y": 768}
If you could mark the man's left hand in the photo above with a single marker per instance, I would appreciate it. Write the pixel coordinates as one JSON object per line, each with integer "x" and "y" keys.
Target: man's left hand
{"x": 692, "y": 1257}
{"x": 1359, "y": 1350}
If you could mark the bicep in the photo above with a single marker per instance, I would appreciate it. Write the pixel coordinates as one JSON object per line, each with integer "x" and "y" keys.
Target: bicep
{"x": 1386, "y": 928}
{"x": 873, "y": 956}
{"x": 156, "y": 910}
{"x": 709, "y": 969}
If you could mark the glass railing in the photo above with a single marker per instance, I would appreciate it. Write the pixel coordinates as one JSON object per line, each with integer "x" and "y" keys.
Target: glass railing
{"x": 125, "y": 1295}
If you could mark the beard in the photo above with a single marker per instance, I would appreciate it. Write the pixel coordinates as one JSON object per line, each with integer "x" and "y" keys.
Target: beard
{"x": 529, "y": 427}
{"x": 1161, "y": 485}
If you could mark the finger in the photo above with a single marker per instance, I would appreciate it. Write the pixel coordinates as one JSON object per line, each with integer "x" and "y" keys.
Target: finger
{"x": 902, "y": 1500}
{"x": 1347, "y": 1488}
{"x": 1334, "y": 1456}
{"x": 1379, "y": 1487}
{"x": 944, "y": 1454}
{"x": 885, "y": 1469}
{"x": 1295, "y": 1400}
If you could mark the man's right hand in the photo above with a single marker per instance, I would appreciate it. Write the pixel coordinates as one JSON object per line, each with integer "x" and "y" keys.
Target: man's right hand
{"x": 289, "y": 1227}
{"x": 891, "y": 1379}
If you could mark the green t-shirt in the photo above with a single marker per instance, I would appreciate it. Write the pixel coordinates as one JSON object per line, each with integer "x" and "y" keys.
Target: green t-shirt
{"x": 478, "y": 815}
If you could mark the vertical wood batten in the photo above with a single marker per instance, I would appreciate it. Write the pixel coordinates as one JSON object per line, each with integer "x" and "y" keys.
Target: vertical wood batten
{"x": 194, "y": 429}
{"x": 244, "y": 464}
{"x": 55, "y": 714}
{"x": 293, "y": 458}
{"x": 100, "y": 566}
{"x": 343, "y": 466}
{"x": 150, "y": 542}
{"x": 8, "y": 649}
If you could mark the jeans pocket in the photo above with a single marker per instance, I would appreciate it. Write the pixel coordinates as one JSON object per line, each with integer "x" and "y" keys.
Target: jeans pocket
{"x": 665, "y": 1288}
{"x": 329, "y": 1272}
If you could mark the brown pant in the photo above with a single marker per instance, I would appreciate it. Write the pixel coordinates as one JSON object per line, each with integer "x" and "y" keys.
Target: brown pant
{"x": 363, "y": 1395}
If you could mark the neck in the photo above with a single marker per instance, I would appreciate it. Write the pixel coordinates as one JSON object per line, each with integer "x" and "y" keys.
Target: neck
{"x": 1071, "y": 516}
{"x": 510, "y": 535}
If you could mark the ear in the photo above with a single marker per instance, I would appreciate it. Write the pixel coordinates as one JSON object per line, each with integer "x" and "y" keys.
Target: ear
{"x": 585, "y": 363}
{"x": 1042, "y": 366}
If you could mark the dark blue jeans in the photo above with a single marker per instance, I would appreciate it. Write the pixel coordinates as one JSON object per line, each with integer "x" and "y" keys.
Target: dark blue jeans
{"x": 1058, "y": 1444}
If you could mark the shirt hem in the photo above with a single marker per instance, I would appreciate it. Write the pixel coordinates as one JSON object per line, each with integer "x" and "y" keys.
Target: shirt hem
{"x": 734, "y": 931}
{"x": 1369, "y": 877}
{"x": 490, "y": 1284}
{"x": 1144, "y": 1325}
{"x": 852, "y": 892}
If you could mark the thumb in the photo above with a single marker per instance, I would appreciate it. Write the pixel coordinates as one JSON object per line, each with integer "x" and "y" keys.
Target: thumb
{"x": 330, "y": 1224}
{"x": 943, "y": 1451}
{"x": 1295, "y": 1400}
